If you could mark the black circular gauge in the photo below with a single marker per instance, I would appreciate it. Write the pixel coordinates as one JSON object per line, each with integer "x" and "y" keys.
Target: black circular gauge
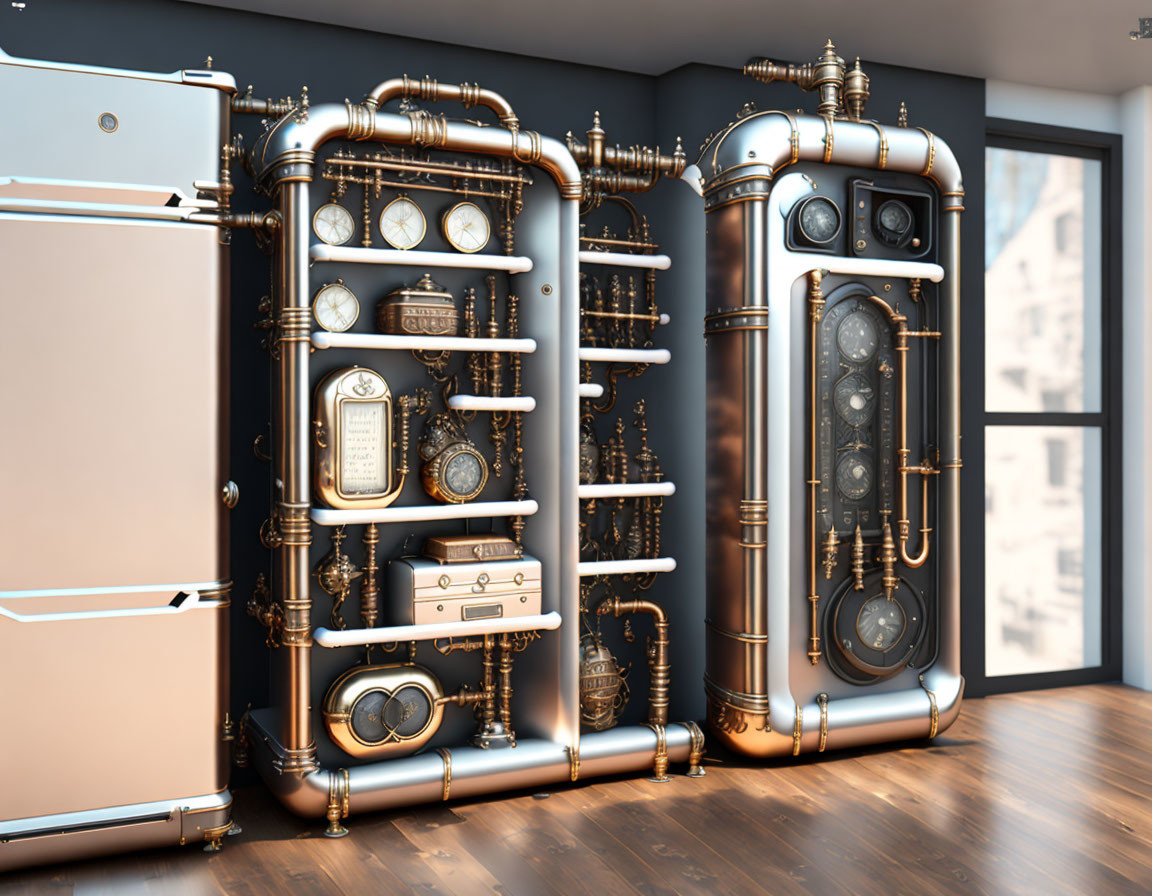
{"x": 854, "y": 398}
{"x": 464, "y": 474}
{"x": 857, "y": 337}
{"x": 380, "y": 717}
{"x": 880, "y": 623}
{"x": 819, "y": 220}
{"x": 894, "y": 222}
{"x": 874, "y": 636}
{"x": 854, "y": 475}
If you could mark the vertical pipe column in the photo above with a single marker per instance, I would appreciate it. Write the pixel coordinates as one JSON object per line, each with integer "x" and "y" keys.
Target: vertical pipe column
{"x": 948, "y": 542}
{"x": 292, "y": 480}
{"x": 754, "y": 504}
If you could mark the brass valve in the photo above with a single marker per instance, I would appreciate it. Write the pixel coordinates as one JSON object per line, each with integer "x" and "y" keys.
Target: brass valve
{"x": 887, "y": 559}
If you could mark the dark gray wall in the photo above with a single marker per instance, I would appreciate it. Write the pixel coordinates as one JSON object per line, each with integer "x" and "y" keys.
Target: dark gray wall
{"x": 278, "y": 55}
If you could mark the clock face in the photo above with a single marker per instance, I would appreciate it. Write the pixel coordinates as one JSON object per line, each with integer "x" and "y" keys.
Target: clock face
{"x": 854, "y": 475}
{"x": 857, "y": 337}
{"x": 466, "y": 227}
{"x": 464, "y": 475}
{"x": 880, "y": 623}
{"x": 402, "y": 223}
{"x": 333, "y": 224}
{"x": 335, "y": 307}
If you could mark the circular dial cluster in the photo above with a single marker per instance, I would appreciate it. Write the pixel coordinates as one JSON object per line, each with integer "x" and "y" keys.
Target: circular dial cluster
{"x": 855, "y": 399}
{"x": 333, "y": 224}
{"x": 857, "y": 337}
{"x": 379, "y": 716}
{"x": 466, "y": 227}
{"x": 854, "y": 475}
{"x": 402, "y": 224}
{"x": 894, "y": 222}
{"x": 335, "y": 307}
{"x": 819, "y": 220}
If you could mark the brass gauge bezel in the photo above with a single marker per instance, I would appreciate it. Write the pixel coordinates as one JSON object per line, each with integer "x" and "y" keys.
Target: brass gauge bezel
{"x": 403, "y": 198}
{"x": 448, "y": 233}
{"x": 339, "y": 283}
{"x": 903, "y": 620}
{"x": 351, "y": 221}
{"x": 335, "y": 395}
{"x": 434, "y": 473}
{"x": 358, "y": 683}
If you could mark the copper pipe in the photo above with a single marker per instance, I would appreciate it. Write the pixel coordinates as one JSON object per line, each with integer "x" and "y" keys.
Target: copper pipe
{"x": 815, "y": 314}
{"x": 659, "y": 669}
{"x": 431, "y": 90}
{"x": 504, "y": 708}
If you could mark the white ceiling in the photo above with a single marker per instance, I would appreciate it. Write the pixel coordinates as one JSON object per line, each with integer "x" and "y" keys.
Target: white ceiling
{"x": 1070, "y": 44}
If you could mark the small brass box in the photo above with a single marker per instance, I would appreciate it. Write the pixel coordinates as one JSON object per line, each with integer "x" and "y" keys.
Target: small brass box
{"x": 426, "y": 309}
{"x": 470, "y": 548}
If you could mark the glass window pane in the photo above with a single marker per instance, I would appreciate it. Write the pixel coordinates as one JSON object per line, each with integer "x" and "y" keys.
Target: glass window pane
{"x": 1042, "y": 548}
{"x": 1042, "y": 279}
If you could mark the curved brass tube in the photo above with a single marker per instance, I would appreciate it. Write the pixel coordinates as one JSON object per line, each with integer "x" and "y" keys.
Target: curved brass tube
{"x": 659, "y": 669}
{"x": 431, "y": 90}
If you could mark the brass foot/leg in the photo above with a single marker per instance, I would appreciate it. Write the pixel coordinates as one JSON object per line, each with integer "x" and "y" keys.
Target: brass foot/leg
{"x": 696, "y": 752}
{"x": 660, "y": 762}
{"x": 338, "y": 787}
{"x": 213, "y": 837}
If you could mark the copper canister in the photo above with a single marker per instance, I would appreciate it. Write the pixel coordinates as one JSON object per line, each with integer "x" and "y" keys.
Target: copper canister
{"x": 426, "y": 309}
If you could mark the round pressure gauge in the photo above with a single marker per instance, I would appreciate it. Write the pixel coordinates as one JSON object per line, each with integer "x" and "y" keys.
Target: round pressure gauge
{"x": 857, "y": 337}
{"x": 819, "y": 220}
{"x": 454, "y": 471}
{"x": 880, "y": 623}
{"x": 854, "y": 398}
{"x": 854, "y": 475}
{"x": 466, "y": 227}
{"x": 402, "y": 224}
{"x": 894, "y": 222}
{"x": 335, "y": 307}
{"x": 333, "y": 224}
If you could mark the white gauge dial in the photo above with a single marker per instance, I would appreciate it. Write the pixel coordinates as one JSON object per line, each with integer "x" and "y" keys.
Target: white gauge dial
{"x": 335, "y": 307}
{"x": 333, "y": 224}
{"x": 466, "y": 227}
{"x": 402, "y": 224}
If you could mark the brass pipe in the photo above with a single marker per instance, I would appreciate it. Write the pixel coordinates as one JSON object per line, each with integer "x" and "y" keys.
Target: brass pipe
{"x": 369, "y": 589}
{"x": 451, "y": 169}
{"x": 826, "y": 76}
{"x": 431, "y": 90}
{"x": 815, "y": 314}
{"x": 659, "y": 669}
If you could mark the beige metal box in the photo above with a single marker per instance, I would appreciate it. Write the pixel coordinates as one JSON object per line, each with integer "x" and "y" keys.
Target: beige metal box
{"x": 424, "y": 591}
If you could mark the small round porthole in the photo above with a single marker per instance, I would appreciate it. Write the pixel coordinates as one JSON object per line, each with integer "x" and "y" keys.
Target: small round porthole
{"x": 108, "y": 122}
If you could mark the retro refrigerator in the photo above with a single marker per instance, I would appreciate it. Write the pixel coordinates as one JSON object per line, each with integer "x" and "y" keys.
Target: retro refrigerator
{"x": 114, "y": 576}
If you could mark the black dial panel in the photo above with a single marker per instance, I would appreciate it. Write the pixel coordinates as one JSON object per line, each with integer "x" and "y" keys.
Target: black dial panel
{"x": 871, "y": 636}
{"x": 856, "y": 404}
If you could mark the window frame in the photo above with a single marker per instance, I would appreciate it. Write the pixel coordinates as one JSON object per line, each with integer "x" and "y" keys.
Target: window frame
{"x": 1107, "y": 149}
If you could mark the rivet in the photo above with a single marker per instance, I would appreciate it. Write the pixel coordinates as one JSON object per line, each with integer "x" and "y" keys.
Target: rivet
{"x": 546, "y": 289}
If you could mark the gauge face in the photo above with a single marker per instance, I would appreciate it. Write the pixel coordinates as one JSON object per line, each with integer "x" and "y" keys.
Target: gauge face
{"x": 894, "y": 222}
{"x": 333, "y": 224}
{"x": 464, "y": 475}
{"x": 466, "y": 227}
{"x": 335, "y": 307}
{"x": 880, "y": 623}
{"x": 854, "y": 398}
{"x": 854, "y": 475}
{"x": 402, "y": 223}
{"x": 819, "y": 220}
{"x": 857, "y": 337}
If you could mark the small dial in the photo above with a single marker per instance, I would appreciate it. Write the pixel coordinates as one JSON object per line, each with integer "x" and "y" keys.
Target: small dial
{"x": 894, "y": 223}
{"x": 333, "y": 224}
{"x": 854, "y": 475}
{"x": 819, "y": 220}
{"x": 857, "y": 337}
{"x": 466, "y": 227}
{"x": 880, "y": 623}
{"x": 335, "y": 307}
{"x": 854, "y": 398}
{"x": 402, "y": 224}
{"x": 464, "y": 474}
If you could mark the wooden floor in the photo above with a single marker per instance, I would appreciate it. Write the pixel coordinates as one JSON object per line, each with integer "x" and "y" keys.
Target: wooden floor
{"x": 1041, "y": 793}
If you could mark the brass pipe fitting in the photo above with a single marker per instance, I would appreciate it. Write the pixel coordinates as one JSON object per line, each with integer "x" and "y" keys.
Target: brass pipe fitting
{"x": 887, "y": 559}
{"x": 815, "y": 315}
{"x": 659, "y": 669}
{"x": 831, "y": 544}
{"x": 858, "y": 561}
{"x": 826, "y": 76}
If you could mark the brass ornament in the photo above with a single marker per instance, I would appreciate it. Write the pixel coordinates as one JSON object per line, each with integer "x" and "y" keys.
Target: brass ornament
{"x": 454, "y": 471}
{"x": 603, "y": 688}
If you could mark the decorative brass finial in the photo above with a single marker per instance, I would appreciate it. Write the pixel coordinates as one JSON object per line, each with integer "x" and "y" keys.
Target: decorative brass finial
{"x": 208, "y": 63}
{"x": 902, "y": 118}
{"x": 856, "y": 92}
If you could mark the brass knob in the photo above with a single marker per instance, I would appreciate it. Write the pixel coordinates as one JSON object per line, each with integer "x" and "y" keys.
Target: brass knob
{"x": 444, "y": 582}
{"x": 230, "y": 494}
